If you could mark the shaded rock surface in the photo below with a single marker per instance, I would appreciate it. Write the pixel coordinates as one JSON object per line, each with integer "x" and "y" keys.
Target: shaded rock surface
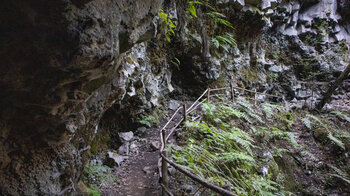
{"x": 70, "y": 70}
{"x": 61, "y": 69}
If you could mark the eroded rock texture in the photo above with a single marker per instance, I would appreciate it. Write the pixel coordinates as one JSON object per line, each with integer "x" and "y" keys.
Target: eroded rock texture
{"x": 67, "y": 64}
{"x": 60, "y": 70}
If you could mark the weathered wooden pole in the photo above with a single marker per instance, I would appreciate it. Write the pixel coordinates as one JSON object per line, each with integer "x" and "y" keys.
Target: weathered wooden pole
{"x": 332, "y": 87}
{"x": 255, "y": 96}
{"x": 184, "y": 114}
{"x": 165, "y": 179}
{"x": 232, "y": 93}
{"x": 208, "y": 95}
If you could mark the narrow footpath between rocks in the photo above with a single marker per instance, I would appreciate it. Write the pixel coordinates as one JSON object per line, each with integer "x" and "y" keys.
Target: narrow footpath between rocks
{"x": 138, "y": 173}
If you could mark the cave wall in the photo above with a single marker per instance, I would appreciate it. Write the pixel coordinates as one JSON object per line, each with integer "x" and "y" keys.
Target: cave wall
{"x": 279, "y": 43}
{"x": 60, "y": 70}
{"x": 65, "y": 63}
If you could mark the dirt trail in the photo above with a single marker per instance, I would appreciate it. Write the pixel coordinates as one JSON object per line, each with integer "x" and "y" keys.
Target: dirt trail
{"x": 139, "y": 173}
{"x": 140, "y": 177}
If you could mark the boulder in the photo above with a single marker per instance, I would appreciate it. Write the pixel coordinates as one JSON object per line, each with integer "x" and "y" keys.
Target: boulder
{"x": 124, "y": 149}
{"x": 114, "y": 159}
{"x": 141, "y": 131}
{"x": 173, "y": 104}
{"x": 126, "y": 136}
{"x": 155, "y": 145}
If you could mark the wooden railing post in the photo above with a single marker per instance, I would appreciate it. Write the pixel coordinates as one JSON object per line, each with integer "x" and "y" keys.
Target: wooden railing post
{"x": 185, "y": 114}
{"x": 208, "y": 95}
{"x": 165, "y": 179}
{"x": 232, "y": 93}
{"x": 255, "y": 101}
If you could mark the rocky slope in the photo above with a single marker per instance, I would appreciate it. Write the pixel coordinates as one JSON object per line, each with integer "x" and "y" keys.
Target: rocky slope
{"x": 73, "y": 69}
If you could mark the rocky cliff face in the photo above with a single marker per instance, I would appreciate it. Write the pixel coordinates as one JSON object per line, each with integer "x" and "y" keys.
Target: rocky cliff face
{"x": 279, "y": 44}
{"x": 60, "y": 71}
{"x": 65, "y": 63}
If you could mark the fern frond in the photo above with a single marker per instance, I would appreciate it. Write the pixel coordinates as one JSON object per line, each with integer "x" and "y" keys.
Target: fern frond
{"x": 269, "y": 111}
{"x": 215, "y": 42}
{"x": 246, "y": 117}
{"x": 341, "y": 115}
{"x": 236, "y": 156}
{"x": 292, "y": 139}
{"x": 256, "y": 117}
{"x": 220, "y": 19}
{"x": 340, "y": 174}
{"x": 307, "y": 122}
{"x": 315, "y": 118}
{"x": 336, "y": 140}
{"x": 245, "y": 104}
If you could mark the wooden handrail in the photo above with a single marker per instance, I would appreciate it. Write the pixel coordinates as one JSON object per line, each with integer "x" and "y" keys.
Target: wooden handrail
{"x": 178, "y": 109}
{"x": 167, "y": 191}
{"x": 164, "y": 139}
{"x": 173, "y": 129}
{"x": 196, "y": 106}
{"x": 218, "y": 89}
{"x": 200, "y": 97}
{"x": 194, "y": 177}
{"x": 161, "y": 135}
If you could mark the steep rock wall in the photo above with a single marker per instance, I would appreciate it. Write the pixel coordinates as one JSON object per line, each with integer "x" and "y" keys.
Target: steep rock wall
{"x": 65, "y": 63}
{"x": 279, "y": 44}
{"x": 60, "y": 70}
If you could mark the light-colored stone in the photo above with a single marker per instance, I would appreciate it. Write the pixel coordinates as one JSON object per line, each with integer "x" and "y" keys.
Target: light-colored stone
{"x": 173, "y": 104}
{"x": 155, "y": 145}
{"x": 126, "y": 136}
{"x": 114, "y": 159}
{"x": 124, "y": 149}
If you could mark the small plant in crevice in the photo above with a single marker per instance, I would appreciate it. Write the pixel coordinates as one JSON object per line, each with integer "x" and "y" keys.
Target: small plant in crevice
{"x": 222, "y": 37}
{"x": 222, "y": 42}
{"x": 149, "y": 120}
{"x": 95, "y": 174}
{"x": 166, "y": 25}
{"x": 176, "y": 62}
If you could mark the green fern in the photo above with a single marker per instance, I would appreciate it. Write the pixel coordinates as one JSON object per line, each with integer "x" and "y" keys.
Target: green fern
{"x": 166, "y": 24}
{"x": 221, "y": 41}
{"x": 245, "y": 105}
{"x": 341, "y": 115}
{"x": 269, "y": 111}
{"x": 306, "y": 153}
{"x": 278, "y": 152}
{"x": 256, "y": 117}
{"x": 292, "y": 139}
{"x": 246, "y": 117}
{"x": 307, "y": 122}
{"x": 316, "y": 119}
{"x": 340, "y": 174}
{"x": 236, "y": 156}
{"x": 336, "y": 140}
{"x": 219, "y": 18}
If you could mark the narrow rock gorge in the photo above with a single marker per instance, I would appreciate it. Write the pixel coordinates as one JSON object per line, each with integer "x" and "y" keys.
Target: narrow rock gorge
{"x": 74, "y": 74}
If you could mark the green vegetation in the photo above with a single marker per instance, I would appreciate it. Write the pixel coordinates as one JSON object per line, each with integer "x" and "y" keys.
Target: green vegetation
{"x": 93, "y": 192}
{"x": 150, "y": 120}
{"x": 223, "y": 151}
{"x": 327, "y": 129}
{"x": 95, "y": 174}
{"x": 166, "y": 25}
{"x": 100, "y": 143}
{"x": 222, "y": 42}
{"x": 249, "y": 147}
